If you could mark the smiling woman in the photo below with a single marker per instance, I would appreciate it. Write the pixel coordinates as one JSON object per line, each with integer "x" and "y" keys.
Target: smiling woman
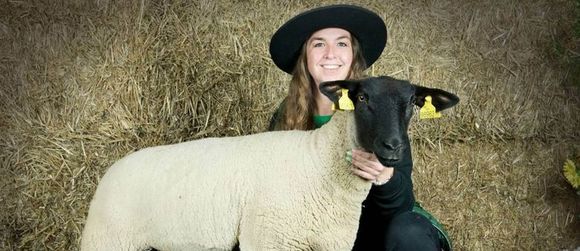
{"x": 290, "y": 44}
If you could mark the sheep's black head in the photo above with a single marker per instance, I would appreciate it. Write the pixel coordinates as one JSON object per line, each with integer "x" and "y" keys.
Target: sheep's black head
{"x": 383, "y": 109}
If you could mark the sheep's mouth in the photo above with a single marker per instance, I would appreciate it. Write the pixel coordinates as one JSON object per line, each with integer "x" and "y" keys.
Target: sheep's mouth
{"x": 389, "y": 161}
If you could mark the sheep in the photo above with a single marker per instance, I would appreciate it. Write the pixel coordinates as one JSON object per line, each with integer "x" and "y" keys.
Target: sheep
{"x": 283, "y": 190}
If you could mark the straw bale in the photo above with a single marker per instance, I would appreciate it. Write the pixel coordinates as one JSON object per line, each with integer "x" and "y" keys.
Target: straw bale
{"x": 83, "y": 83}
{"x": 498, "y": 195}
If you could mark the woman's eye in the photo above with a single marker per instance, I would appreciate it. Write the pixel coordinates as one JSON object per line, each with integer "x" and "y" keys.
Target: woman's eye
{"x": 342, "y": 44}
{"x": 318, "y": 45}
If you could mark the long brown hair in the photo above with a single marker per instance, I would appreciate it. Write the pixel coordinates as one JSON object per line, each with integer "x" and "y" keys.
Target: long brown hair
{"x": 300, "y": 104}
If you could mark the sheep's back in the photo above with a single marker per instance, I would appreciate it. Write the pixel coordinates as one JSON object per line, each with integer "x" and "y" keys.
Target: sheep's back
{"x": 205, "y": 182}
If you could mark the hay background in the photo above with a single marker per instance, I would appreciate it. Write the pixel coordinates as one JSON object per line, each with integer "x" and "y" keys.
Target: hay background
{"x": 83, "y": 83}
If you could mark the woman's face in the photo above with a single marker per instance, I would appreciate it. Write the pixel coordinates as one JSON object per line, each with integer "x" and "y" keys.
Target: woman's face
{"x": 329, "y": 54}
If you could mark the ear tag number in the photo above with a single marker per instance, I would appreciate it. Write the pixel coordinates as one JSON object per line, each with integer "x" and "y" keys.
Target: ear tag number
{"x": 428, "y": 111}
{"x": 344, "y": 103}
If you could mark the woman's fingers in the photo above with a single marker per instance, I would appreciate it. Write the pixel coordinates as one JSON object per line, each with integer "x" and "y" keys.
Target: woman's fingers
{"x": 366, "y": 165}
{"x": 364, "y": 154}
{"x": 363, "y": 174}
{"x": 366, "y": 162}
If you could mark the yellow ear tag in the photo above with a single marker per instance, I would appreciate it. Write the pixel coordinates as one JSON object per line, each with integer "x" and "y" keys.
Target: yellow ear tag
{"x": 344, "y": 103}
{"x": 428, "y": 111}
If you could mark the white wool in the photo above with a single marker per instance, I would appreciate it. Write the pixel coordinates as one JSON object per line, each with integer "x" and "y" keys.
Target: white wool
{"x": 284, "y": 190}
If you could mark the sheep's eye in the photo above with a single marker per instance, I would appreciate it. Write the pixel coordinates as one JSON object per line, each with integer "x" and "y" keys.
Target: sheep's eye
{"x": 361, "y": 98}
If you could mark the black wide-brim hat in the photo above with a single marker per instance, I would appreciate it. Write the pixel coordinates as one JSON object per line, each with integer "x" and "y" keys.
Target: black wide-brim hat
{"x": 366, "y": 26}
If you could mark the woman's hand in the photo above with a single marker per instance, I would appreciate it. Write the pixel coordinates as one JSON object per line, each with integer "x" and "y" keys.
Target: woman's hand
{"x": 367, "y": 166}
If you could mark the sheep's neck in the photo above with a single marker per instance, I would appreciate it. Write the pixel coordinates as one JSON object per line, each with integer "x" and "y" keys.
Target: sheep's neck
{"x": 331, "y": 142}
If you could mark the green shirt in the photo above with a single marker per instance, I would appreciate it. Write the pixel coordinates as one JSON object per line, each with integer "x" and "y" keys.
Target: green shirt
{"x": 320, "y": 120}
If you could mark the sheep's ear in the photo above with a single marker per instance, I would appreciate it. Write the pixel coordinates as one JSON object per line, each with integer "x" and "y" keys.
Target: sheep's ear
{"x": 331, "y": 89}
{"x": 439, "y": 98}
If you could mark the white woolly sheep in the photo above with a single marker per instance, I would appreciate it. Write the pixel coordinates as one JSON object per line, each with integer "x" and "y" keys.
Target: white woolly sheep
{"x": 285, "y": 190}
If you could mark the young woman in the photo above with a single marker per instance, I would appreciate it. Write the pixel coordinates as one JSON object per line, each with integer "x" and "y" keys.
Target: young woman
{"x": 334, "y": 43}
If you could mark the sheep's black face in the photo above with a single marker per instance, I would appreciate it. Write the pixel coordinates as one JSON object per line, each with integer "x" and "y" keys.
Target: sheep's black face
{"x": 383, "y": 109}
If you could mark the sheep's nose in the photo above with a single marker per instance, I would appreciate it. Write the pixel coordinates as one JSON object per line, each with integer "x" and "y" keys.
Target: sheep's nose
{"x": 389, "y": 151}
{"x": 392, "y": 146}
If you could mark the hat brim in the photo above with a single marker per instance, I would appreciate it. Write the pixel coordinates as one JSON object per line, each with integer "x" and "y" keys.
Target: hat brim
{"x": 366, "y": 26}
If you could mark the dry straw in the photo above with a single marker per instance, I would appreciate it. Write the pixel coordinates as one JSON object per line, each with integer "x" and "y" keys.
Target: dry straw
{"x": 82, "y": 83}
